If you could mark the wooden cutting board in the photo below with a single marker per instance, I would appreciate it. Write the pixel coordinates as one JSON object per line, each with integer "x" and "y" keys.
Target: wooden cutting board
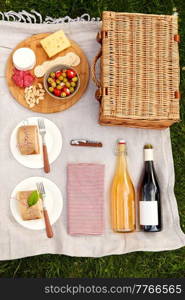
{"x": 49, "y": 104}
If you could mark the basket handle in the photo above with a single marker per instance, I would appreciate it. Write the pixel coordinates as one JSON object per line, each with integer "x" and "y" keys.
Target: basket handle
{"x": 93, "y": 67}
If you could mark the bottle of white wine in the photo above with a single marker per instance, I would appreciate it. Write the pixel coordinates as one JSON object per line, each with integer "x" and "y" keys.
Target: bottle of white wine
{"x": 122, "y": 194}
{"x": 149, "y": 204}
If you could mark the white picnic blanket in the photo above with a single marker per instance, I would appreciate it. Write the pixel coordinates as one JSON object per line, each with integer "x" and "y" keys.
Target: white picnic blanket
{"x": 80, "y": 121}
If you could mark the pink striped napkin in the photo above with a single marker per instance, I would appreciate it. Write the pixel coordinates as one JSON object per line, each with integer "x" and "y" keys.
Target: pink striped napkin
{"x": 85, "y": 191}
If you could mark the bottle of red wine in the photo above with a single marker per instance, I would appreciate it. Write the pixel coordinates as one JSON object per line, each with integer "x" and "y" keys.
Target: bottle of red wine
{"x": 149, "y": 204}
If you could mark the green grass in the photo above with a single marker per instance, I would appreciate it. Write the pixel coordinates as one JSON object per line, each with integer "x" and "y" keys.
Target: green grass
{"x": 162, "y": 264}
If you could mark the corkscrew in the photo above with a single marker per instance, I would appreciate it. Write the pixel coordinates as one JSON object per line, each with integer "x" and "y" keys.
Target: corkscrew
{"x": 85, "y": 143}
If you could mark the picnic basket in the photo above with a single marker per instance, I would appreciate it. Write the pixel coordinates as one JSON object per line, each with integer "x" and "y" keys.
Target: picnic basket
{"x": 139, "y": 70}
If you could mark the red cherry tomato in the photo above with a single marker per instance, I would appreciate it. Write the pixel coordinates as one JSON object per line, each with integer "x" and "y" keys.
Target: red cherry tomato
{"x": 58, "y": 74}
{"x": 66, "y": 90}
{"x": 71, "y": 73}
{"x": 57, "y": 92}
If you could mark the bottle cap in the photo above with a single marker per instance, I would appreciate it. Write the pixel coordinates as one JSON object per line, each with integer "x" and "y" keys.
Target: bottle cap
{"x": 121, "y": 141}
{"x": 148, "y": 146}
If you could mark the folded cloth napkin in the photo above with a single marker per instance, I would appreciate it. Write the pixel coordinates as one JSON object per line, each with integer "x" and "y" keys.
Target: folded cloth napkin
{"x": 85, "y": 193}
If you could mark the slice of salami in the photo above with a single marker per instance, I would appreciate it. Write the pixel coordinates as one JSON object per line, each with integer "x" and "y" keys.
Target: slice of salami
{"x": 18, "y": 80}
{"x": 16, "y": 71}
{"x": 28, "y": 79}
{"x": 22, "y": 78}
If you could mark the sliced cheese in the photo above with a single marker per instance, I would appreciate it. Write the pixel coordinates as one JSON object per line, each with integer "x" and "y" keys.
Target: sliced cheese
{"x": 55, "y": 43}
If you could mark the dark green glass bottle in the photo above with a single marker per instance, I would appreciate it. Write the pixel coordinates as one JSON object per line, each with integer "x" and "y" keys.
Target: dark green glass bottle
{"x": 150, "y": 202}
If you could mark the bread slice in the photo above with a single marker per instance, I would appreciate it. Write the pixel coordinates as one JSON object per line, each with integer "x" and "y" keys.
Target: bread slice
{"x": 29, "y": 212}
{"x": 28, "y": 141}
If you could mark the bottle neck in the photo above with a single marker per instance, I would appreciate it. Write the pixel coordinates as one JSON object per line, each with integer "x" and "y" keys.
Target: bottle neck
{"x": 121, "y": 158}
{"x": 149, "y": 166}
{"x": 148, "y": 158}
{"x": 148, "y": 155}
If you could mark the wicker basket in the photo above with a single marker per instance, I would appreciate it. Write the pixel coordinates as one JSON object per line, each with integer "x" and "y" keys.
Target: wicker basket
{"x": 139, "y": 81}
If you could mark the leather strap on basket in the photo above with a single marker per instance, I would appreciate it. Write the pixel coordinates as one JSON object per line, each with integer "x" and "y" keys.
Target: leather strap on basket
{"x": 98, "y": 93}
{"x": 177, "y": 38}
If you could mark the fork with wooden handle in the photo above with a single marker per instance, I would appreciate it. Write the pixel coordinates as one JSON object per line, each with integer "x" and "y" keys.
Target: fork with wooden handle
{"x": 42, "y": 131}
{"x": 41, "y": 190}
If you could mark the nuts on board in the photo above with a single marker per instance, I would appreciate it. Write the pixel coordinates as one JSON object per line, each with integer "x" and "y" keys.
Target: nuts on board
{"x": 34, "y": 94}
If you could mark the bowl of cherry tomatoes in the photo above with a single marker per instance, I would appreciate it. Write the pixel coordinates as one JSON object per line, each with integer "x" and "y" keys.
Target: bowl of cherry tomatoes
{"x": 61, "y": 82}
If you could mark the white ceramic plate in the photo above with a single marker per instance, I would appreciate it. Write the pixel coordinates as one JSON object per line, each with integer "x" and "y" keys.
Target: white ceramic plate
{"x": 53, "y": 142}
{"x": 54, "y": 202}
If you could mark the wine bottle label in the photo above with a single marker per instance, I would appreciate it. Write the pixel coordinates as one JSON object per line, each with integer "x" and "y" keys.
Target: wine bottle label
{"x": 148, "y": 213}
{"x": 148, "y": 154}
